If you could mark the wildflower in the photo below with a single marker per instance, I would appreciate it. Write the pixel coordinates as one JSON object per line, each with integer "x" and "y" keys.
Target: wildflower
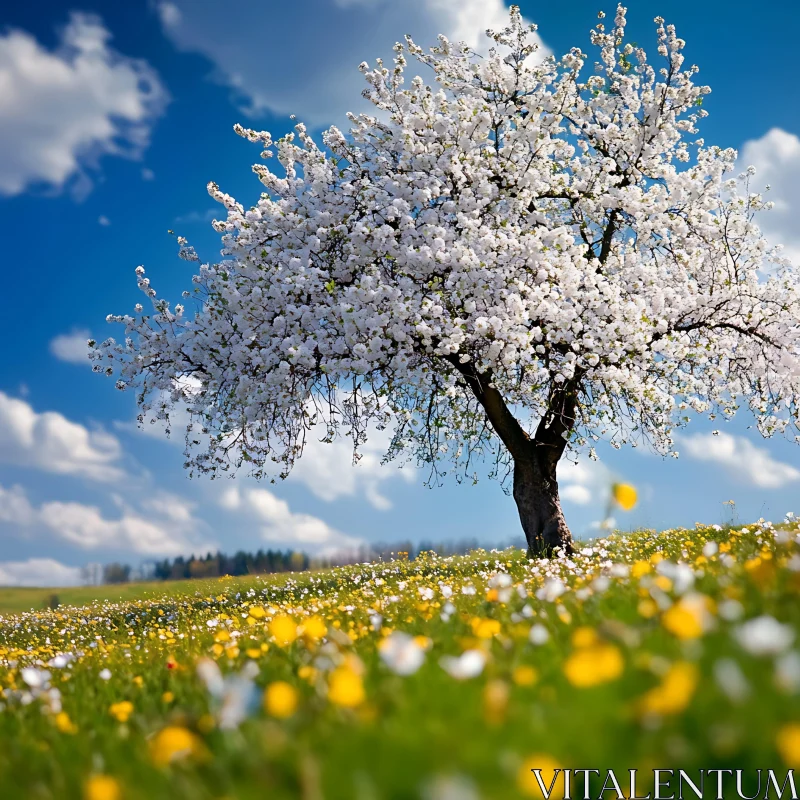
{"x": 257, "y": 612}
{"x": 280, "y": 699}
{"x": 625, "y": 495}
{"x": 495, "y": 701}
{"x": 284, "y": 629}
{"x": 105, "y": 674}
{"x": 402, "y": 653}
{"x": 764, "y": 636}
{"x": 675, "y": 691}
{"x": 788, "y": 744}
{"x": 485, "y": 628}
{"x": 167, "y": 698}
{"x": 345, "y": 687}
{"x": 121, "y": 711}
{"x": 731, "y": 680}
{"x": 64, "y": 723}
{"x": 35, "y": 678}
{"x": 314, "y": 628}
{"x": 547, "y": 768}
{"x": 538, "y": 634}
{"x": 593, "y": 665}
{"x": 524, "y": 675}
{"x": 689, "y": 618}
{"x": 233, "y": 696}
{"x": 175, "y": 743}
{"x": 553, "y": 589}
{"x": 469, "y": 664}
{"x": 101, "y": 787}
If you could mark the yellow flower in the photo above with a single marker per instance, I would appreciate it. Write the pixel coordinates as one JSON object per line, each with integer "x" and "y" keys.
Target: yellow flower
{"x": 121, "y": 711}
{"x": 584, "y": 637}
{"x": 495, "y": 701}
{"x": 280, "y": 699}
{"x": 640, "y": 568}
{"x": 345, "y": 688}
{"x": 689, "y": 618}
{"x": 167, "y": 697}
{"x": 284, "y": 629}
{"x": 524, "y": 676}
{"x": 64, "y": 723}
{"x": 257, "y": 612}
{"x": 102, "y": 787}
{"x": 485, "y": 628}
{"x": 647, "y": 608}
{"x": 175, "y": 743}
{"x": 314, "y": 628}
{"x": 138, "y": 680}
{"x": 590, "y": 666}
{"x": 675, "y": 691}
{"x": 526, "y": 779}
{"x": 788, "y": 744}
{"x": 625, "y": 495}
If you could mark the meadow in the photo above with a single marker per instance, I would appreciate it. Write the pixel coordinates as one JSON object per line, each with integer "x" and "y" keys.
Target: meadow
{"x": 437, "y": 678}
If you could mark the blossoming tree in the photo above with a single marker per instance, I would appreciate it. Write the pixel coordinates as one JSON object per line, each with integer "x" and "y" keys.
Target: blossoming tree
{"x": 508, "y": 263}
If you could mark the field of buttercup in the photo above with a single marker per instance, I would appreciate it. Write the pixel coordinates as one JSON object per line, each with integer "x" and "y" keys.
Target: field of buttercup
{"x": 435, "y": 678}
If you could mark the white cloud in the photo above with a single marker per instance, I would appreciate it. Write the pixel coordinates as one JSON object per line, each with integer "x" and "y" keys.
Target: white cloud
{"x": 741, "y": 458}
{"x": 148, "y": 174}
{"x": 328, "y": 469}
{"x": 50, "y": 442}
{"x": 14, "y": 506}
{"x": 43, "y": 572}
{"x": 309, "y": 66}
{"x": 285, "y": 527}
{"x": 195, "y": 217}
{"x": 776, "y": 157}
{"x": 583, "y": 482}
{"x": 72, "y": 347}
{"x": 168, "y": 529}
{"x": 103, "y": 220}
{"x": 60, "y": 111}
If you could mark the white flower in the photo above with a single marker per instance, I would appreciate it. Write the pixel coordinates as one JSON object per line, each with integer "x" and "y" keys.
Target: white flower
{"x": 553, "y": 589}
{"x": 731, "y": 679}
{"x": 401, "y": 653}
{"x": 35, "y": 678}
{"x": 233, "y": 696}
{"x": 538, "y": 634}
{"x": 469, "y": 664}
{"x": 787, "y": 671}
{"x": 105, "y": 674}
{"x": 764, "y": 636}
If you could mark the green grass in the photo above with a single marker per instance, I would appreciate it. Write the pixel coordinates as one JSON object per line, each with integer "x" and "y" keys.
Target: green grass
{"x": 643, "y": 666}
{"x": 15, "y": 599}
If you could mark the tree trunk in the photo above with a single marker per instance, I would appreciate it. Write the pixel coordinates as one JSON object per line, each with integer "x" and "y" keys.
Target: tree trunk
{"x": 536, "y": 495}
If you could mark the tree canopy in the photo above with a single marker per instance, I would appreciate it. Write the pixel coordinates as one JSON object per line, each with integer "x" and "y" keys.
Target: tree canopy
{"x": 511, "y": 251}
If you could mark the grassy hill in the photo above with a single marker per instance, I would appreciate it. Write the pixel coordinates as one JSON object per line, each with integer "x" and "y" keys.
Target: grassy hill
{"x": 443, "y": 679}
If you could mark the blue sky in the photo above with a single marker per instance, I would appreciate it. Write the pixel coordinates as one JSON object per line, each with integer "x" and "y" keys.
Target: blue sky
{"x": 114, "y": 116}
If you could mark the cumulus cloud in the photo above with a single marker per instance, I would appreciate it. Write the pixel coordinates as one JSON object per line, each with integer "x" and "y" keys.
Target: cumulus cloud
{"x": 740, "y": 458}
{"x": 328, "y": 469}
{"x": 38, "y": 572}
{"x": 310, "y": 66}
{"x": 776, "y": 157}
{"x": 583, "y": 482}
{"x": 61, "y": 110}
{"x": 166, "y": 527}
{"x": 281, "y": 525}
{"x": 72, "y": 347}
{"x": 50, "y": 442}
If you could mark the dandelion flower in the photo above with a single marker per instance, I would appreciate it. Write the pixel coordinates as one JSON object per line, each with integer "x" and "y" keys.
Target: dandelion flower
{"x": 175, "y": 743}
{"x": 345, "y": 688}
{"x": 548, "y": 770}
{"x": 280, "y": 699}
{"x": 284, "y": 629}
{"x": 102, "y": 787}
{"x": 625, "y": 495}
{"x": 593, "y": 665}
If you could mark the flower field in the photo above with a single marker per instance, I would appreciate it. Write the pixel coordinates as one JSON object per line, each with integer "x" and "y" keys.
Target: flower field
{"x": 445, "y": 679}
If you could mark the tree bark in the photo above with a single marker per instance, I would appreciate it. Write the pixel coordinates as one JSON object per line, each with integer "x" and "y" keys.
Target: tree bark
{"x": 535, "y": 459}
{"x": 538, "y": 504}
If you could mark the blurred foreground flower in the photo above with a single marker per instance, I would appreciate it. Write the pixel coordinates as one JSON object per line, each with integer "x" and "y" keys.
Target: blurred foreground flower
{"x": 102, "y": 787}
{"x": 469, "y": 664}
{"x": 346, "y": 688}
{"x": 234, "y": 696}
{"x": 280, "y": 699}
{"x": 175, "y": 743}
{"x": 546, "y": 766}
{"x": 402, "y": 653}
{"x": 625, "y": 495}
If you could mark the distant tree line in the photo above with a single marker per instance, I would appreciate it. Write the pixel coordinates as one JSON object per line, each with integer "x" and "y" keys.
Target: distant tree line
{"x": 216, "y": 565}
